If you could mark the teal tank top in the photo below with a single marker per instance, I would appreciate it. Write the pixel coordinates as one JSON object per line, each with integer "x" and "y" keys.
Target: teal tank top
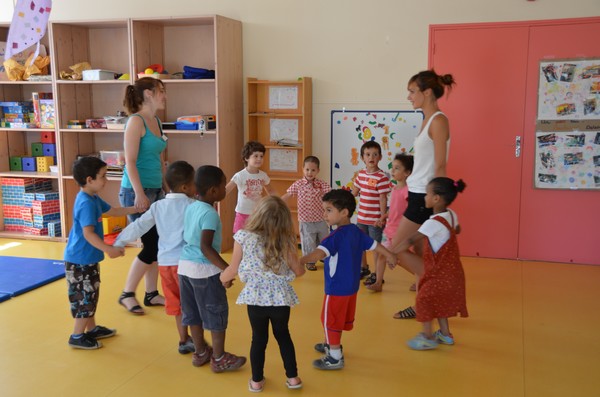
{"x": 148, "y": 161}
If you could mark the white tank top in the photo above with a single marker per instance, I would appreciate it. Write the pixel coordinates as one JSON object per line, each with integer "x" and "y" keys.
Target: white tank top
{"x": 424, "y": 165}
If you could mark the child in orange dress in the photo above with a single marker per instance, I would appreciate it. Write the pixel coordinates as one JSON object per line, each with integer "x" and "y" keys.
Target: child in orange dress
{"x": 441, "y": 290}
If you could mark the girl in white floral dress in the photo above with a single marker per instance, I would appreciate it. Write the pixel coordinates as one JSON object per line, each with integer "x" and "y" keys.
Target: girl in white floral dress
{"x": 265, "y": 256}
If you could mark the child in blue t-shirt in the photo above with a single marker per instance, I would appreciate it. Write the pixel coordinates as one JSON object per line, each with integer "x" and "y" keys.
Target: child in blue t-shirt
{"x": 343, "y": 250}
{"x": 203, "y": 296}
{"x": 85, "y": 249}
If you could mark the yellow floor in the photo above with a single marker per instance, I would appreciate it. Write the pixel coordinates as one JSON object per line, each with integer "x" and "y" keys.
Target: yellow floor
{"x": 533, "y": 332}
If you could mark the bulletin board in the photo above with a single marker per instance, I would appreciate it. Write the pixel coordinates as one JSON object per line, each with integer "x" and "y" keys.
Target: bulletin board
{"x": 395, "y": 131}
{"x": 567, "y": 160}
{"x": 567, "y": 141}
{"x": 569, "y": 90}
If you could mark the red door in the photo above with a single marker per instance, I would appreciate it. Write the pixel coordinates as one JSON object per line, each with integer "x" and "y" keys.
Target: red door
{"x": 557, "y": 225}
{"x": 485, "y": 110}
{"x": 495, "y": 100}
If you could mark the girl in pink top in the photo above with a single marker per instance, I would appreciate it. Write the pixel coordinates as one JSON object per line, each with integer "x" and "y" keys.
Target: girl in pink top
{"x": 402, "y": 166}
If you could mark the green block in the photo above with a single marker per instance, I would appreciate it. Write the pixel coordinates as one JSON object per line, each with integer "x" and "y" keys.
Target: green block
{"x": 37, "y": 149}
{"x": 16, "y": 164}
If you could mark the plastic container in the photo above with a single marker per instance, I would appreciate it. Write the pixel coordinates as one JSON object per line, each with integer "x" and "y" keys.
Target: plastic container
{"x": 113, "y": 158}
{"x": 98, "y": 74}
{"x": 186, "y": 125}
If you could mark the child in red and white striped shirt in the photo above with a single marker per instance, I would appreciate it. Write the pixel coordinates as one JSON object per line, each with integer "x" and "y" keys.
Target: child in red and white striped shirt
{"x": 373, "y": 186}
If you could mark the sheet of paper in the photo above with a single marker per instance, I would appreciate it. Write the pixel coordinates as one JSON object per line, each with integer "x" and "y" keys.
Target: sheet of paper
{"x": 283, "y": 160}
{"x": 283, "y": 129}
{"x": 283, "y": 97}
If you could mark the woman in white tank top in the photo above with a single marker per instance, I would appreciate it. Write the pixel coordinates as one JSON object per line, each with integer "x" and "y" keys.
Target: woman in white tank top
{"x": 430, "y": 155}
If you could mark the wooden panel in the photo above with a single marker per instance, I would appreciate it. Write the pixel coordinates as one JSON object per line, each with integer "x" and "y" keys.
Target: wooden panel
{"x": 230, "y": 107}
{"x": 109, "y": 49}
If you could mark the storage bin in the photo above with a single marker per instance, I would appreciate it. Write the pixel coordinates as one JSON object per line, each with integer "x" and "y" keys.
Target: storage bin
{"x": 113, "y": 224}
{"x": 98, "y": 74}
{"x": 113, "y": 158}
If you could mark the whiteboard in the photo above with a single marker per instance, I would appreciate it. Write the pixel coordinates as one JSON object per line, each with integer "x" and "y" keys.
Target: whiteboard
{"x": 394, "y": 130}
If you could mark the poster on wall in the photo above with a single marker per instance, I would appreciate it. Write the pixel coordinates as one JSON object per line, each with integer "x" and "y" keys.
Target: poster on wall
{"x": 569, "y": 90}
{"x": 567, "y": 160}
{"x": 395, "y": 131}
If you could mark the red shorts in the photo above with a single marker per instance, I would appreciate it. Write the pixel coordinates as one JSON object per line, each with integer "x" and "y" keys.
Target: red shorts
{"x": 337, "y": 316}
{"x": 170, "y": 286}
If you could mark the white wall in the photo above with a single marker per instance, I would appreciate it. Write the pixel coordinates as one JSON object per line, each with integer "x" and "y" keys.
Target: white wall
{"x": 359, "y": 53}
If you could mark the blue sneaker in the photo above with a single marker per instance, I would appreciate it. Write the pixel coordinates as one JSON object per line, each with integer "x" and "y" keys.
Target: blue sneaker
{"x": 443, "y": 339}
{"x": 328, "y": 363}
{"x": 421, "y": 342}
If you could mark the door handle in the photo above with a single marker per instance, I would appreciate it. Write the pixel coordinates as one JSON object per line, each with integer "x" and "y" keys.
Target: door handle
{"x": 518, "y": 146}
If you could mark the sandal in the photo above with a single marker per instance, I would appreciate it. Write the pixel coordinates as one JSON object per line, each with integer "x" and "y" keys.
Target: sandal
{"x": 148, "y": 299}
{"x": 136, "y": 309}
{"x": 371, "y": 279}
{"x": 311, "y": 267}
{"x": 260, "y": 384}
{"x": 291, "y": 385}
{"x": 406, "y": 314}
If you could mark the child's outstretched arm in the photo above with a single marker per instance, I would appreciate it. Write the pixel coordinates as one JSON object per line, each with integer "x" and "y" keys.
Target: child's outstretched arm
{"x": 313, "y": 257}
{"x": 295, "y": 265}
{"x": 137, "y": 229}
{"x": 206, "y": 240}
{"x": 121, "y": 211}
{"x": 90, "y": 235}
{"x": 231, "y": 271}
{"x": 229, "y": 187}
{"x": 270, "y": 190}
{"x": 390, "y": 257}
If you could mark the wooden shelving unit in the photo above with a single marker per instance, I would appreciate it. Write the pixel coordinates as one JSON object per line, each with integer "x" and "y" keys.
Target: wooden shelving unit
{"x": 129, "y": 46}
{"x": 281, "y": 109}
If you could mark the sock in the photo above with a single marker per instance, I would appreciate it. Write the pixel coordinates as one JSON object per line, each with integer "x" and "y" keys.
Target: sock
{"x": 76, "y": 336}
{"x": 335, "y": 353}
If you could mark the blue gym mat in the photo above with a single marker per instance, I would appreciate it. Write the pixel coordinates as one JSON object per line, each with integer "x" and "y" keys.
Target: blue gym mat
{"x": 19, "y": 275}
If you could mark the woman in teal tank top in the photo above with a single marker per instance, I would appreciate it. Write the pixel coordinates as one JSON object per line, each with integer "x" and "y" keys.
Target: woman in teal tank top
{"x": 142, "y": 182}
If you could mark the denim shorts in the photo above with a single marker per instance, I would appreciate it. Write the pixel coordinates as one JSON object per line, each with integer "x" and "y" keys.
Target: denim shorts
{"x": 204, "y": 302}
{"x": 372, "y": 231}
{"x": 127, "y": 198}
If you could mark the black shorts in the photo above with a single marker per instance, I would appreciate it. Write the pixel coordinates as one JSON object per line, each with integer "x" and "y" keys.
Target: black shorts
{"x": 416, "y": 211}
{"x": 149, "y": 252}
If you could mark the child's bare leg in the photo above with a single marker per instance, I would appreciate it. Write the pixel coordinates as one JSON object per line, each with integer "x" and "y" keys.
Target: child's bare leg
{"x": 198, "y": 338}
{"x": 218, "y": 341}
{"x": 411, "y": 262}
{"x": 364, "y": 260}
{"x": 428, "y": 329}
{"x": 377, "y": 286}
{"x": 181, "y": 329}
{"x": 82, "y": 324}
{"x": 444, "y": 326}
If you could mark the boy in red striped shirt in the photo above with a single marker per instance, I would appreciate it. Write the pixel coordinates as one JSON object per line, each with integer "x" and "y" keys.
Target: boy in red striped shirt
{"x": 372, "y": 185}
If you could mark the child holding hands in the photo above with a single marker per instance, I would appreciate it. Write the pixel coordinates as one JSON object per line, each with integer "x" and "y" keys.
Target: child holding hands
{"x": 342, "y": 251}
{"x": 265, "y": 257}
{"x": 250, "y": 183}
{"x": 167, "y": 215}
{"x": 85, "y": 249}
{"x": 203, "y": 296}
{"x": 401, "y": 168}
{"x": 372, "y": 186}
{"x": 441, "y": 289}
{"x": 309, "y": 191}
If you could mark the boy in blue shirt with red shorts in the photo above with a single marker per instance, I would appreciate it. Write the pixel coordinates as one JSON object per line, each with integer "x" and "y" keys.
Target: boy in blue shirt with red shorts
{"x": 342, "y": 251}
